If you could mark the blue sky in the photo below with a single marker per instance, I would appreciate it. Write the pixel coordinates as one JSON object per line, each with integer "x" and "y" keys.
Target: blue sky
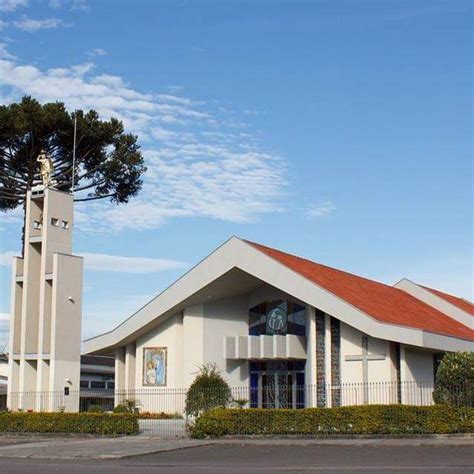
{"x": 336, "y": 130}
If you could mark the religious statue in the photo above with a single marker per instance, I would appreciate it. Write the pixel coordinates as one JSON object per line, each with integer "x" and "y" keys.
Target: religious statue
{"x": 46, "y": 168}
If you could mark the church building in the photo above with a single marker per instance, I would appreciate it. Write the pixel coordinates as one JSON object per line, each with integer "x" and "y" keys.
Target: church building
{"x": 274, "y": 323}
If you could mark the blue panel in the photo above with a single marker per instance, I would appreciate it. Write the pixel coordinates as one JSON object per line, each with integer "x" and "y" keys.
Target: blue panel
{"x": 253, "y": 390}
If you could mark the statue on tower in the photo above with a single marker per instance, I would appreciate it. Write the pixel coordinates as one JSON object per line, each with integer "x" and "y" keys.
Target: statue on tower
{"x": 46, "y": 168}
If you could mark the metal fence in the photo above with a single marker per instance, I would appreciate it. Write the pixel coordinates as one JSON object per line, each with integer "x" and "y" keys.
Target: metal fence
{"x": 163, "y": 411}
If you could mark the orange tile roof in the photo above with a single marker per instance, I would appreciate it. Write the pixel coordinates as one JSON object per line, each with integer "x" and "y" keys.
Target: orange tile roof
{"x": 382, "y": 302}
{"x": 461, "y": 303}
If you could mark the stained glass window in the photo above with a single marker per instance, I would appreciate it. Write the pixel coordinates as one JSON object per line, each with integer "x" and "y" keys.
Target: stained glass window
{"x": 277, "y": 317}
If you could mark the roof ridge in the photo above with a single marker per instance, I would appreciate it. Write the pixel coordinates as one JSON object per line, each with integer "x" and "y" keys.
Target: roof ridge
{"x": 448, "y": 294}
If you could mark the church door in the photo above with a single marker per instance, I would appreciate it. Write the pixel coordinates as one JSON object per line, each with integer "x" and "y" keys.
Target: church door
{"x": 277, "y": 384}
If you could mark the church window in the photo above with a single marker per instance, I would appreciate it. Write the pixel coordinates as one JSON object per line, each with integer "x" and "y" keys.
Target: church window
{"x": 64, "y": 225}
{"x": 55, "y": 222}
{"x": 277, "y": 317}
{"x": 277, "y": 384}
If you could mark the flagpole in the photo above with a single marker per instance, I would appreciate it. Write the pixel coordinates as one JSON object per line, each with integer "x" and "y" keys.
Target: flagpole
{"x": 74, "y": 154}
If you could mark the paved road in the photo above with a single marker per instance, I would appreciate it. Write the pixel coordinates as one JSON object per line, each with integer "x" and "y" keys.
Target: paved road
{"x": 240, "y": 458}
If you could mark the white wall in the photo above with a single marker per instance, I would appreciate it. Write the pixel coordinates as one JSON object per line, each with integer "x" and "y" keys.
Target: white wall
{"x": 226, "y": 317}
{"x": 381, "y": 386}
{"x": 169, "y": 398}
{"x": 351, "y": 344}
{"x": 418, "y": 378}
{"x": 168, "y": 334}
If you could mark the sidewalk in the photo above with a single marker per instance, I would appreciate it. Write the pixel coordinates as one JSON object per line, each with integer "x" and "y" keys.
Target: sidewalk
{"x": 117, "y": 448}
{"x": 90, "y": 448}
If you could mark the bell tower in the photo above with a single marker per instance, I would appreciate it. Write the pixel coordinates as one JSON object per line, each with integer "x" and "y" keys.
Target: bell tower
{"x": 46, "y": 308}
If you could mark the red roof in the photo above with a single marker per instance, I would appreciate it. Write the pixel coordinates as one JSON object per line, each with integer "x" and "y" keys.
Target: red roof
{"x": 382, "y": 302}
{"x": 465, "y": 305}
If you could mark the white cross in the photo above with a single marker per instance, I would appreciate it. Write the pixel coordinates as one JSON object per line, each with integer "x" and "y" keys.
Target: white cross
{"x": 365, "y": 357}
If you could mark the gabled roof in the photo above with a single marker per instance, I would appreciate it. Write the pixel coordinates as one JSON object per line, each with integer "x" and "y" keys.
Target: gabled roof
{"x": 376, "y": 309}
{"x": 384, "y": 303}
{"x": 461, "y": 303}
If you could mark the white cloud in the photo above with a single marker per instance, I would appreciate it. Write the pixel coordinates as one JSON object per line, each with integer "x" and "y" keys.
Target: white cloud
{"x": 31, "y": 25}
{"x": 201, "y": 163}
{"x": 71, "y": 4}
{"x": 3, "y": 24}
{"x": 4, "y": 54}
{"x": 100, "y": 316}
{"x": 12, "y": 5}
{"x": 79, "y": 5}
{"x": 6, "y": 258}
{"x": 138, "y": 265}
{"x": 320, "y": 209}
{"x": 97, "y": 52}
{"x": 115, "y": 263}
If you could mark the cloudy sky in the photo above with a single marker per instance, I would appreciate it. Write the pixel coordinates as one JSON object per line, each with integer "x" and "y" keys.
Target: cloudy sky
{"x": 336, "y": 130}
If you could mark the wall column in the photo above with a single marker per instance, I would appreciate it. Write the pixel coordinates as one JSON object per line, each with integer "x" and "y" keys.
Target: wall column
{"x": 119, "y": 374}
{"x": 320, "y": 358}
{"x": 310, "y": 367}
{"x": 327, "y": 358}
{"x": 130, "y": 368}
{"x": 403, "y": 374}
{"x": 335, "y": 362}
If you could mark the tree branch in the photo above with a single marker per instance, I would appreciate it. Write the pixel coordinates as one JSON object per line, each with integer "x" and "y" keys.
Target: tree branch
{"x": 92, "y": 185}
{"x": 94, "y": 198}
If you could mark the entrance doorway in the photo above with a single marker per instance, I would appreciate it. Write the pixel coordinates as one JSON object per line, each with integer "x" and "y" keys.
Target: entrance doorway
{"x": 277, "y": 384}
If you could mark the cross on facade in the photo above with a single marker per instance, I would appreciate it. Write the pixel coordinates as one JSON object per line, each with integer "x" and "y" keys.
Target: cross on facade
{"x": 365, "y": 357}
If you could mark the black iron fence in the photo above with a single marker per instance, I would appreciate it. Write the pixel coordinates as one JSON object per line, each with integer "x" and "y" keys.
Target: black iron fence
{"x": 166, "y": 411}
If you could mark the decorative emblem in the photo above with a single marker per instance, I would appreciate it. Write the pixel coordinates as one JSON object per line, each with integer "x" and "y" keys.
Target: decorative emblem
{"x": 277, "y": 319}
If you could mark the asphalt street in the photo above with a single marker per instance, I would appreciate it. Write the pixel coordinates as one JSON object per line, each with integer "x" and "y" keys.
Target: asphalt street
{"x": 243, "y": 458}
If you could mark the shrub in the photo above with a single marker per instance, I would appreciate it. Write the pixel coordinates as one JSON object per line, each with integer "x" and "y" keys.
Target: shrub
{"x": 146, "y": 415}
{"x": 128, "y": 406}
{"x": 90, "y": 423}
{"x": 455, "y": 379}
{"x": 209, "y": 390}
{"x": 95, "y": 409}
{"x": 240, "y": 402}
{"x": 355, "y": 420}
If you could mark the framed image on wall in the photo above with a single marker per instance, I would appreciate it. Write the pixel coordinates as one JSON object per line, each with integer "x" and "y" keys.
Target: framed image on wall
{"x": 154, "y": 366}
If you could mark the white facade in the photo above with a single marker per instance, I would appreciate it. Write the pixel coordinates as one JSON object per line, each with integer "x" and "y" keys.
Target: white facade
{"x": 46, "y": 308}
{"x": 341, "y": 355}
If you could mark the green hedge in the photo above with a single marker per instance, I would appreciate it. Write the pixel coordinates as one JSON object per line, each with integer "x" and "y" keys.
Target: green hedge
{"x": 357, "y": 420}
{"x": 90, "y": 423}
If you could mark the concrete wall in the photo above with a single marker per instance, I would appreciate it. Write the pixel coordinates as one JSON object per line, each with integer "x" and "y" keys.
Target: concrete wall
{"x": 351, "y": 344}
{"x": 418, "y": 376}
{"x": 226, "y": 317}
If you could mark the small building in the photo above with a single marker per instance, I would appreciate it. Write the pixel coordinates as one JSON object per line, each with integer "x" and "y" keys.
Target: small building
{"x": 287, "y": 332}
{"x": 3, "y": 381}
{"x": 97, "y": 382}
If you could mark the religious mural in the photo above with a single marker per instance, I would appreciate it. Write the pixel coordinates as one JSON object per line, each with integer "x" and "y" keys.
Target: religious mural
{"x": 154, "y": 366}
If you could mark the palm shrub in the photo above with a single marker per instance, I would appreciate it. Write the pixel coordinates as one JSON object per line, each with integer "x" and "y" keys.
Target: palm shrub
{"x": 209, "y": 390}
{"x": 127, "y": 406}
{"x": 455, "y": 379}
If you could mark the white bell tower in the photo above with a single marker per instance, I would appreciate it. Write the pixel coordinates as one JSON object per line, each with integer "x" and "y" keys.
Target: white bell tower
{"x": 46, "y": 308}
